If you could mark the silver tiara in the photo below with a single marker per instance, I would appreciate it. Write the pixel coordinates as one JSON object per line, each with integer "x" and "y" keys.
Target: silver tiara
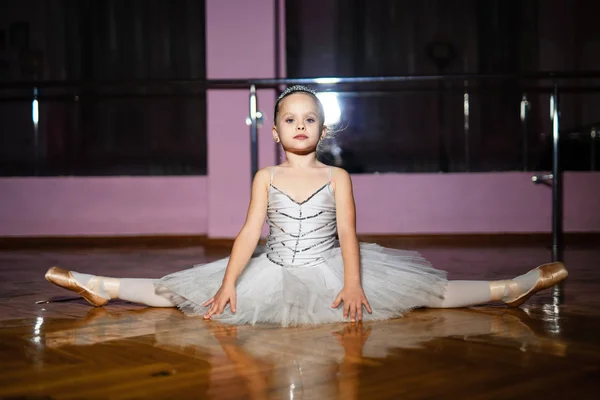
{"x": 296, "y": 88}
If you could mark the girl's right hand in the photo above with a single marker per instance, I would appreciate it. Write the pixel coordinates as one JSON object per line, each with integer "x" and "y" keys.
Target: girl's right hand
{"x": 225, "y": 294}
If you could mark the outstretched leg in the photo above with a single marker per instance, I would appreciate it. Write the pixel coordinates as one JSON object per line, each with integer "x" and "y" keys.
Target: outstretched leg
{"x": 98, "y": 290}
{"x": 511, "y": 291}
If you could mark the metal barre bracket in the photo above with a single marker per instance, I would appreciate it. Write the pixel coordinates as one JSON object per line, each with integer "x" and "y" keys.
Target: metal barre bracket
{"x": 543, "y": 179}
{"x": 259, "y": 119}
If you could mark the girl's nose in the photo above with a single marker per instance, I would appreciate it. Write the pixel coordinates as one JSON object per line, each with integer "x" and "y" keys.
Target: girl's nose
{"x": 300, "y": 127}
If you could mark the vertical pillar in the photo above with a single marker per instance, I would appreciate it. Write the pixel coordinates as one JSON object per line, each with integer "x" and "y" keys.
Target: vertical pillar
{"x": 240, "y": 44}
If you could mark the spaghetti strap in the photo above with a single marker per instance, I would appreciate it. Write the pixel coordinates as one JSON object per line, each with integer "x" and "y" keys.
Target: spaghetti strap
{"x": 330, "y": 172}
{"x": 272, "y": 173}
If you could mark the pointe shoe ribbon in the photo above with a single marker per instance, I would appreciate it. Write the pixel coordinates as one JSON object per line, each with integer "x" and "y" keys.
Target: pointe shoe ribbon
{"x": 550, "y": 275}
{"x": 64, "y": 279}
{"x": 111, "y": 286}
{"x": 499, "y": 289}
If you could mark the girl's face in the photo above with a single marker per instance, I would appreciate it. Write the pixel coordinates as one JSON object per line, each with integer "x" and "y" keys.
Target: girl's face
{"x": 298, "y": 124}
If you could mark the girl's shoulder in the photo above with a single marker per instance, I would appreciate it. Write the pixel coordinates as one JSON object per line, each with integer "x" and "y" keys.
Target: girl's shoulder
{"x": 264, "y": 175}
{"x": 339, "y": 173}
{"x": 340, "y": 179}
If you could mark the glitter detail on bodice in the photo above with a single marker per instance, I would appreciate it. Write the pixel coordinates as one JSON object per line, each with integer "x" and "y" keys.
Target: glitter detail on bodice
{"x": 299, "y": 232}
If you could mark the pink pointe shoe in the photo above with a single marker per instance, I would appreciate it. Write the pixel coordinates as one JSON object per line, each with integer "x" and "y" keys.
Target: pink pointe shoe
{"x": 550, "y": 275}
{"x": 64, "y": 279}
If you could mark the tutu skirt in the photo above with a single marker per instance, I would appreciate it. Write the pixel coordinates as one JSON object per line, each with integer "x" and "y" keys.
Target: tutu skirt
{"x": 394, "y": 281}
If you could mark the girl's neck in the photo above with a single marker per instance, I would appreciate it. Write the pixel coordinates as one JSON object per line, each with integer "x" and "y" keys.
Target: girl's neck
{"x": 301, "y": 160}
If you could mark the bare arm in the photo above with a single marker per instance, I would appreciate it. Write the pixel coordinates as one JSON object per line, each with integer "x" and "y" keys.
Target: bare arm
{"x": 243, "y": 246}
{"x": 352, "y": 294}
{"x": 346, "y": 226}
{"x": 247, "y": 239}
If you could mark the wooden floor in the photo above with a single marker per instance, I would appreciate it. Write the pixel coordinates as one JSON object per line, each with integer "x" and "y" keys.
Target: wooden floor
{"x": 68, "y": 350}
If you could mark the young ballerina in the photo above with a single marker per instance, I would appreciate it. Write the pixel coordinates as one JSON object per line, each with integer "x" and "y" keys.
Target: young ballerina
{"x": 304, "y": 274}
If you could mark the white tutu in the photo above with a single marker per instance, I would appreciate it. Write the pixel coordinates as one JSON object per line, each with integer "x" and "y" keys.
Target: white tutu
{"x": 394, "y": 282}
{"x": 297, "y": 276}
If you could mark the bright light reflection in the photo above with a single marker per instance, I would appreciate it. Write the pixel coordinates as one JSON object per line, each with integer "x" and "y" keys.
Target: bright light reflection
{"x": 325, "y": 81}
{"x": 524, "y": 105}
{"x": 551, "y": 315}
{"x": 331, "y": 107}
{"x": 35, "y": 114}
{"x": 38, "y": 324}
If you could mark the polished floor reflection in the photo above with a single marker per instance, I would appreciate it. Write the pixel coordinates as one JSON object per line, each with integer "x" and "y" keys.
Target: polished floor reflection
{"x": 65, "y": 349}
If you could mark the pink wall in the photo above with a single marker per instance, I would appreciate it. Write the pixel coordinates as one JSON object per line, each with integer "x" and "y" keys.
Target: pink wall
{"x": 103, "y": 206}
{"x": 471, "y": 203}
{"x": 386, "y": 204}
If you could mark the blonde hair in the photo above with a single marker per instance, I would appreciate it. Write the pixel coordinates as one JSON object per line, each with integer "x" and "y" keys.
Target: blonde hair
{"x": 300, "y": 89}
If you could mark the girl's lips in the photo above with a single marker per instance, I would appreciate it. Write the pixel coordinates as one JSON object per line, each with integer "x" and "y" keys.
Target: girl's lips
{"x": 301, "y": 137}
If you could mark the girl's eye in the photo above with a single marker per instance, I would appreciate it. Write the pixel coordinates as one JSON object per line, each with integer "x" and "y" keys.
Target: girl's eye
{"x": 310, "y": 120}
{"x": 289, "y": 120}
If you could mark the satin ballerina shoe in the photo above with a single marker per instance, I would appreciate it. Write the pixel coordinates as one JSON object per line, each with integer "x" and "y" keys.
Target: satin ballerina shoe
{"x": 511, "y": 293}
{"x": 64, "y": 279}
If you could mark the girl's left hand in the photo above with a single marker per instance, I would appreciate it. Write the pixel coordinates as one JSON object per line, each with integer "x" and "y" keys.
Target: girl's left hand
{"x": 353, "y": 298}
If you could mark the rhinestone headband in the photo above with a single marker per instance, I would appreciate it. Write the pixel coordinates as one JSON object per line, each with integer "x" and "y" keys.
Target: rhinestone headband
{"x": 296, "y": 88}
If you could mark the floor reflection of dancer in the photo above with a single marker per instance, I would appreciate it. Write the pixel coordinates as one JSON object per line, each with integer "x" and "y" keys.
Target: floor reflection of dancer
{"x": 298, "y": 379}
{"x": 305, "y": 275}
{"x": 323, "y": 360}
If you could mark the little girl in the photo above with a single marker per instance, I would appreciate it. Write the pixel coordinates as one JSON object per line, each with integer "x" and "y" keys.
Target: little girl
{"x": 304, "y": 274}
